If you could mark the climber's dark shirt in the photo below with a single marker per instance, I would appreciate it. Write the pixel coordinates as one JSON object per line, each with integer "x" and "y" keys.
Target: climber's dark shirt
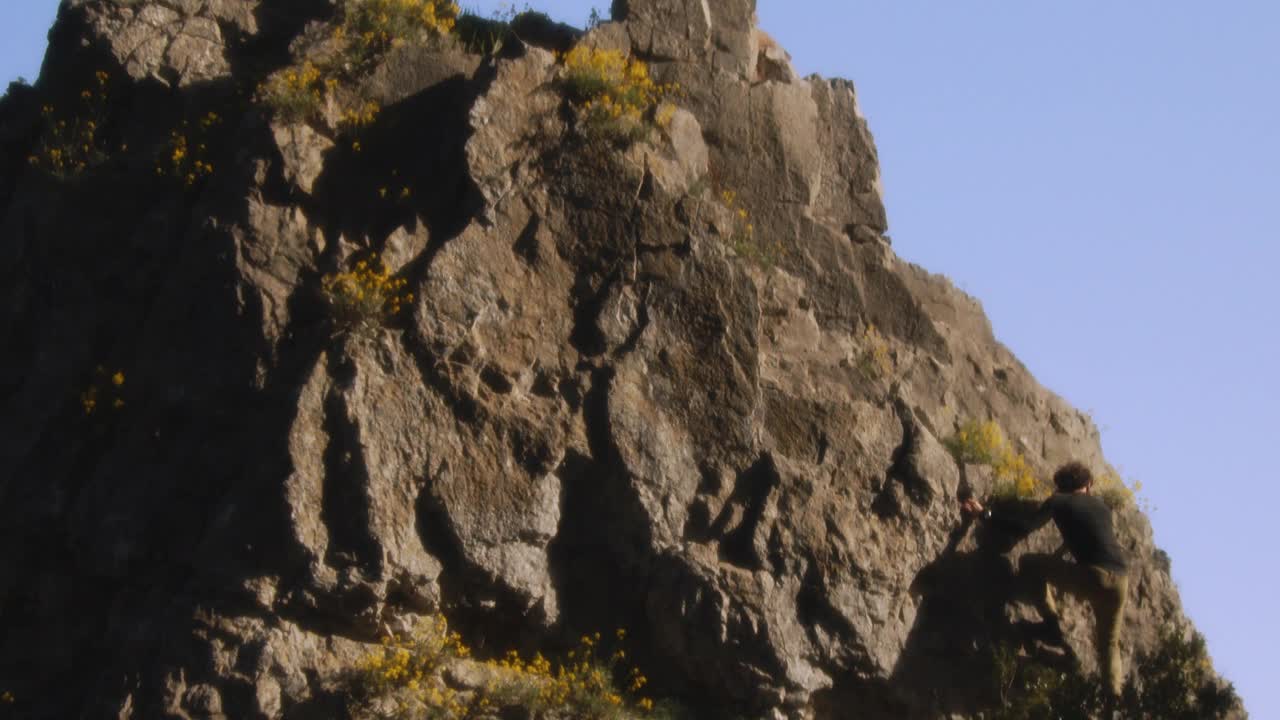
{"x": 1085, "y": 524}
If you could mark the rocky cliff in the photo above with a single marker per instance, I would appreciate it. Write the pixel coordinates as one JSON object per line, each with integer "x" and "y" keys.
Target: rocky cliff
{"x": 680, "y": 385}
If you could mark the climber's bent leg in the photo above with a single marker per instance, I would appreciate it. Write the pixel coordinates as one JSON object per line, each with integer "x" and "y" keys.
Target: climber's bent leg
{"x": 1108, "y": 607}
{"x": 1038, "y": 572}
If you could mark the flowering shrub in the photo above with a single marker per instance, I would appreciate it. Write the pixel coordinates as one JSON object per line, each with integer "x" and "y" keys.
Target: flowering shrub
{"x": 366, "y": 31}
{"x": 613, "y": 94}
{"x": 372, "y": 27}
{"x": 296, "y": 93}
{"x": 1173, "y": 681}
{"x": 364, "y": 298}
{"x": 69, "y": 145}
{"x": 186, "y": 157}
{"x": 983, "y": 443}
{"x": 975, "y": 443}
{"x": 358, "y": 118}
{"x": 874, "y": 360}
{"x": 1115, "y": 493}
{"x": 403, "y": 680}
{"x": 583, "y": 686}
{"x": 742, "y": 237}
{"x": 105, "y": 392}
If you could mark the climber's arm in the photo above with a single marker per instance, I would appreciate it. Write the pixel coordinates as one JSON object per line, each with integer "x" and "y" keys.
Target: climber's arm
{"x": 970, "y": 507}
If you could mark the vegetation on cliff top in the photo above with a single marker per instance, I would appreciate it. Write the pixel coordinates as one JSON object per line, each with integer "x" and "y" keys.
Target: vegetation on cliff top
{"x": 613, "y": 95}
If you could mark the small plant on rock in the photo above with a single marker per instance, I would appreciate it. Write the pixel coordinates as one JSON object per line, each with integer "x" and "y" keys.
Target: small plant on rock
{"x": 402, "y": 679}
{"x": 72, "y": 142}
{"x": 186, "y": 157}
{"x": 584, "y": 685}
{"x": 356, "y": 119}
{"x": 874, "y": 360}
{"x": 613, "y": 95}
{"x": 1115, "y": 493}
{"x": 405, "y": 679}
{"x": 365, "y": 32}
{"x": 595, "y": 18}
{"x": 296, "y": 94}
{"x": 396, "y": 191}
{"x": 105, "y": 393}
{"x": 365, "y": 298}
{"x": 742, "y": 238}
{"x": 984, "y": 443}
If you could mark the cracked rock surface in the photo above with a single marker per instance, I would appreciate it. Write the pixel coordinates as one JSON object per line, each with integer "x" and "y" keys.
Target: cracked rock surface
{"x": 595, "y": 414}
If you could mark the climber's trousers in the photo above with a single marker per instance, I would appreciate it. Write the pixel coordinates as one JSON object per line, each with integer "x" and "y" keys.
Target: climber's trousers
{"x": 1104, "y": 590}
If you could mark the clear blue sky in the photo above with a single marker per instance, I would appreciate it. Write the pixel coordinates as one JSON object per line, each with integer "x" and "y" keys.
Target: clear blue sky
{"x": 1105, "y": 178}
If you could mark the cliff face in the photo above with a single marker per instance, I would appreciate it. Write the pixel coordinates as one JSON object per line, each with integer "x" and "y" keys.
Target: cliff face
{"x": 600, "y": 408}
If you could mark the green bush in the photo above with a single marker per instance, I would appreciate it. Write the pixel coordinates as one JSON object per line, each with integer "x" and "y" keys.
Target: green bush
{"x": 1173, "y": 682}
{"x": 1178, "y": 683}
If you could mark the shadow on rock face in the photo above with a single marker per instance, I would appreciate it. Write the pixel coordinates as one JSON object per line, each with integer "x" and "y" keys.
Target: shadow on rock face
{"x": 279, "y": 23}
{"x": 963, "y": 612}
{"x": 409, "y": 165}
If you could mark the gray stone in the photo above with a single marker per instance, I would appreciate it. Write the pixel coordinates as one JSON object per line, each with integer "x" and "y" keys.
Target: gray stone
{"x": 302, "y": 151}
{"x": 403, "y": 246}
{"x": 679, "y": 165}
{"x": 500, "y": 133}
{"x": 667, "y": 29}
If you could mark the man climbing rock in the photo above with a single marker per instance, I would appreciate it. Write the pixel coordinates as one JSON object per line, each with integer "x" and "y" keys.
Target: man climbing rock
{"x": 1099, "y": 573}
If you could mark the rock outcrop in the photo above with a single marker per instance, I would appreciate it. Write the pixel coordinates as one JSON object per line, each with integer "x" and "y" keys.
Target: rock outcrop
{"x": 596, "y": 413}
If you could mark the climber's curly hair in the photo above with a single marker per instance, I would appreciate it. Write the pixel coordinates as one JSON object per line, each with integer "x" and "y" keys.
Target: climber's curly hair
{"x": 1072, "y": 477}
